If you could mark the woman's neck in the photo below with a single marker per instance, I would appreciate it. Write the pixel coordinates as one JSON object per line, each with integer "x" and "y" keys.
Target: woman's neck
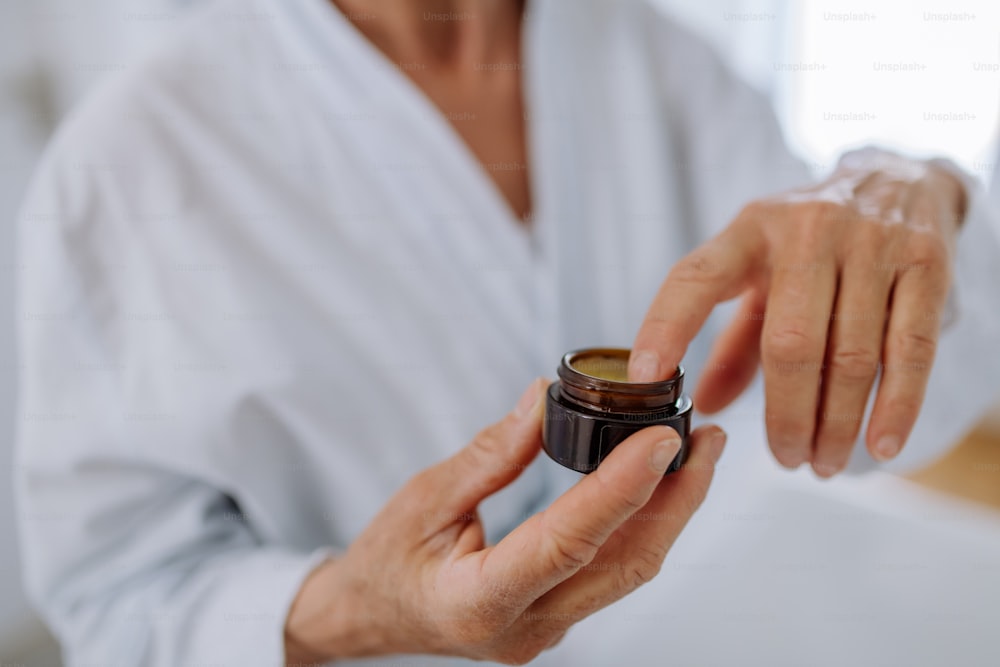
{"x": 446, "y": 34}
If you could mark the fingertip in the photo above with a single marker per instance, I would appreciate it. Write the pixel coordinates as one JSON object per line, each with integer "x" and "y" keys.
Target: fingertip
{"x": 531, "y": 399}
{"x": 707, "y": 444}
{"x": 886, "y": 448}
{"x": 643, "y": 366}
{"x": 706, "y": 401}
{"x": 790, "y": 461}
{"x": 826, "y": 471}
{"x": 716, "y": 443}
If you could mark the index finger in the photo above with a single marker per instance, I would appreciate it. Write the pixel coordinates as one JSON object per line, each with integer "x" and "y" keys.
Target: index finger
{"x": 554, "y": 544}
{"x": 715, "y": 272}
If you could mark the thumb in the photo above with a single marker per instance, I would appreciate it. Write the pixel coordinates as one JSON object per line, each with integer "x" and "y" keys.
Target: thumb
{"x": 495, "y": 457}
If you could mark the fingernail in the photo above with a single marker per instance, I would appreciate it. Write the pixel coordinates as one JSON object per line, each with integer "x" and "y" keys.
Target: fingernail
{"x": 716, "y": 444}
{"x": 663, "y": 454}
{"x": 792, "y": 463}
{"x": 887, "y": 447}
{"x": 528, "y": 400}
{"x": 644, "y": 367}
{"x": 826, "y": 470}
{"x": 790, "y": 453}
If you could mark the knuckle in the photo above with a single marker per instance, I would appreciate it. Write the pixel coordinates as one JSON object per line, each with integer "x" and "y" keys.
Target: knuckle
{"x": 485, "y": 450}
{"x": 790, "y": 349}
{"x": 828, "y": 213}
{"x": 759, "y": 213}
{"x": 855, "y": 363}
{"x": 915, "y": 349}
{"x": 873, "y": 228}
{"x": 697, "y": 268}
{"x": 925, "y": 251}
{"x": 572, "y": 553}
{"x": 871, "y": 237}
{"x": 489, "y": 441}
{"x": 569, "y": 552}
{"x": 811, "y": 222}
{"x": 647, "y": 562}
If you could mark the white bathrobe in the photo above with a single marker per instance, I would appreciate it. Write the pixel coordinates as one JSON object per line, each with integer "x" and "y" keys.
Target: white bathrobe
{"x": 264, "y": 282}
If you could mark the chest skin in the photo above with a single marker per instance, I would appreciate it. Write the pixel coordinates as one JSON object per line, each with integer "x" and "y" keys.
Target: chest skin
{"x": 475, "y": 79}
{"x": 488, "y": 114}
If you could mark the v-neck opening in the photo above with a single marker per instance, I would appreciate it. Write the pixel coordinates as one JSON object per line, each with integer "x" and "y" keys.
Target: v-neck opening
{"x": 433, "y": 119}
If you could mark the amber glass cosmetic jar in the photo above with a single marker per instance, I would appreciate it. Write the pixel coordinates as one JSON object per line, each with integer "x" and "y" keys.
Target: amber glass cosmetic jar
{"x": 593, "y": 407}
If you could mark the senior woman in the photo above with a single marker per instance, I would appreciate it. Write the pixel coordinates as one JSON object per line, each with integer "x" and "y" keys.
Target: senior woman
{"x": 309, "y": 248}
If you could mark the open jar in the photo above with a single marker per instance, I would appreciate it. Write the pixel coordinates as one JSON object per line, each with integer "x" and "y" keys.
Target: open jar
{"x": 593, "y": 407}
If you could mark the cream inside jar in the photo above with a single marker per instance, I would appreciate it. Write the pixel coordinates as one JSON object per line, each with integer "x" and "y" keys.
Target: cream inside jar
{"x": 603, "y": 367}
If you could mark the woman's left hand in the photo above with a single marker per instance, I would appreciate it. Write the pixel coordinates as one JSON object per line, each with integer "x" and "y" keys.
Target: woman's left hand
{"x": 839, "y": 282}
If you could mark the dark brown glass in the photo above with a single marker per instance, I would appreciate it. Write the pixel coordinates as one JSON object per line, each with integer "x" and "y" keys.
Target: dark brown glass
{"x": 592, "y": 408}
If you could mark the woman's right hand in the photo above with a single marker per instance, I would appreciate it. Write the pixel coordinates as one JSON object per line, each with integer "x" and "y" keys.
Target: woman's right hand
{"x": 420, "y": 578}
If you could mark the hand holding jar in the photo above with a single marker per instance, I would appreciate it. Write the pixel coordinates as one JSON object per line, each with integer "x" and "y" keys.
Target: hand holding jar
{"x": 420, "y": 579}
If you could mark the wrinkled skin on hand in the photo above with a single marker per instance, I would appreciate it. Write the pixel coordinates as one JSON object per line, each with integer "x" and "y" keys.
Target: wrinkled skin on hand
{"x": 420, "y": 578}
{"x": 839, "y": 283}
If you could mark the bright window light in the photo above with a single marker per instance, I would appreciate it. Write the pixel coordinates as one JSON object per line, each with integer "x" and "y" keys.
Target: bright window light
{"x": 920, "y": 76}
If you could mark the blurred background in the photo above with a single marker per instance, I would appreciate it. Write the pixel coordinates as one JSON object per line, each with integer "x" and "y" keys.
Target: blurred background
{"x": 822, "y": 62}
